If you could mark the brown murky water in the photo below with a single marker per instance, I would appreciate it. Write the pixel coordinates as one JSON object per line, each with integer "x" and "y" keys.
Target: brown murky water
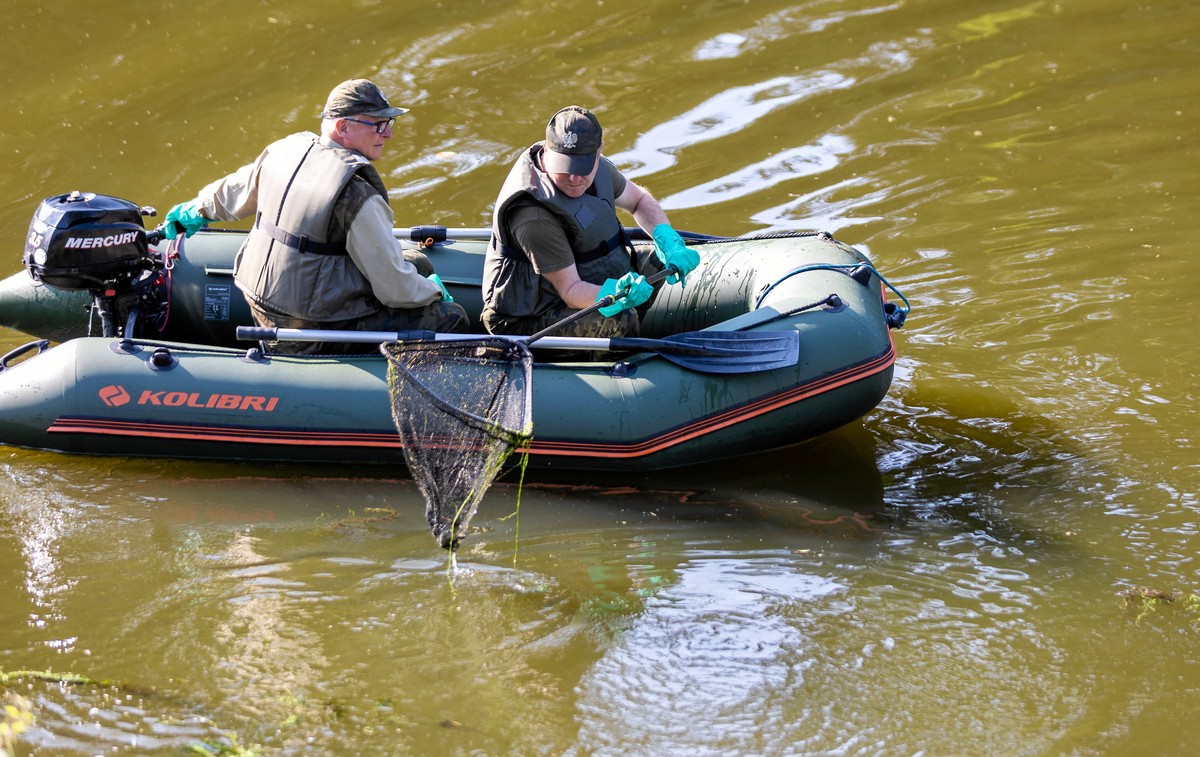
{"x": 947, "y": 577}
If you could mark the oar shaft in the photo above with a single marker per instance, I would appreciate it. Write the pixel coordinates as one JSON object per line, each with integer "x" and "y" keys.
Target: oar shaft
{"x": 251, "y": 333}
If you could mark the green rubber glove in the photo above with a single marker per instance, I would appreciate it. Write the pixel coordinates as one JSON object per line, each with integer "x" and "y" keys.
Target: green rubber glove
{"x": 438, "y": 280}
{"x": 631, "y": 290}
{"x": 672, "y": 250}
{"x": 187, "y": 215}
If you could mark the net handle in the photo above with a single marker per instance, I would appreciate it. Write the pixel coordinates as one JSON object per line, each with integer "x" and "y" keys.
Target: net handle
{"x": 603, "y": 302}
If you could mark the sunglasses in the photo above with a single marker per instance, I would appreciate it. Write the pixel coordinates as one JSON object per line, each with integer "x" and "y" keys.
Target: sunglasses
{"x": 379, "y": 126}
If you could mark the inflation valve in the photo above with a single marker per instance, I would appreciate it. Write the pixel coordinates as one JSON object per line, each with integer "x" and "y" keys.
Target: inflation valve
{"x": 161, "y": 360}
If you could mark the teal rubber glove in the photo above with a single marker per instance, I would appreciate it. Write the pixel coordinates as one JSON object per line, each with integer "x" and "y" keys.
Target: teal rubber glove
{"x": 187, "y": 215}
{"x": 438, "y": 280}
{"x": 631, "y": 290}
{"x": 672, "y": 250}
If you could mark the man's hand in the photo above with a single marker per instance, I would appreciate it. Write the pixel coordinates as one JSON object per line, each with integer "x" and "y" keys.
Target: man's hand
{"x": 672, "y": 250}
{"x": 630, "y": 290}
{"x": 185, "y": 216}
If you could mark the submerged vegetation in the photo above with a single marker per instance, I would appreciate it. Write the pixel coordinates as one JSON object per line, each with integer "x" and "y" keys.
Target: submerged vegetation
{"x": 1147, "y": 602}
{"x": 16, "y": 718}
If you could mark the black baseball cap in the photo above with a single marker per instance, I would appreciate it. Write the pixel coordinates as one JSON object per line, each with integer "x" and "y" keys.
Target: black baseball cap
{"x": 359, "y": 97}
{"x": 573, "y": 139}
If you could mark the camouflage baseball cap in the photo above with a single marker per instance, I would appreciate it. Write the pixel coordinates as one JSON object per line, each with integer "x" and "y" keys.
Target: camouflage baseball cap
{"x": 359, "y": 97}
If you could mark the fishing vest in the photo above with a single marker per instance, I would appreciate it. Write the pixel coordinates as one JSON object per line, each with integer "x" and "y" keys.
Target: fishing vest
{"x": 598, "y": 242}
{"x": 294, "y": 260}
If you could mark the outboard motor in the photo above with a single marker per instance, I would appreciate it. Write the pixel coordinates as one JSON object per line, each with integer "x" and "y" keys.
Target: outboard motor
{"x": 95, "y": 243}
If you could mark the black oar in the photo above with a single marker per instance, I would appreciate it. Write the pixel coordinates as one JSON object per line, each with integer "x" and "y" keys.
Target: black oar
{"x": 702, "y": 351}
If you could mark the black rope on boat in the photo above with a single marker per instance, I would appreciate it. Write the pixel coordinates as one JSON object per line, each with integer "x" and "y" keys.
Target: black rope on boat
{"x": 130, "y": 345}
{"x": 901, "y": 313}
{"x": 830, "y": 300}
{"x": 775, "y": 235}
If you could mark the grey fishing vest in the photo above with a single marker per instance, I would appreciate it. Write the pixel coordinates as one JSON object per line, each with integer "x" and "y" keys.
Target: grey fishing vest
{"x": 511, "y": 286}
{"x": 294, "y": 261}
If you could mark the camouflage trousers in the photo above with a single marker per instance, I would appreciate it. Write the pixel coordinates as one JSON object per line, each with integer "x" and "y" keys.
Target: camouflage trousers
{"x": 446, "y": 317}
{"x": 624, "y": 323}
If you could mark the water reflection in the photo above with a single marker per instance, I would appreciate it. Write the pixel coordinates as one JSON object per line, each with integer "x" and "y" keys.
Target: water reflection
{"x": 822, "y": 209}
{"x": 780, "y": 26}
{"x": 39, "y": 526}
{"x": 728, "y": 112}
{"x": 444, "y": 163}
{"x": 287, "y": 605}
{"x": 796, "y": 162}
{"x": 698, "y": 666}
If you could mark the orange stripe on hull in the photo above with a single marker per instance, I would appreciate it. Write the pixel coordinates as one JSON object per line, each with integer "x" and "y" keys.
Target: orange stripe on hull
{"x": 290, "y": 437}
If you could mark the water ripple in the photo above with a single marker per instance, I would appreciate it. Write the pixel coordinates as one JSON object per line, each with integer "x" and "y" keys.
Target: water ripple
{"x": 778, "y": 26}
{"x": 719, "y": 116}
{"x": 805, "y": 160}
{"x": 715, "y": 636}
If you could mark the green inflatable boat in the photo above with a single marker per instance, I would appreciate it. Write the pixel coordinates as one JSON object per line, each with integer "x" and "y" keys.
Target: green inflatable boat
{"x": 186, "y": 386}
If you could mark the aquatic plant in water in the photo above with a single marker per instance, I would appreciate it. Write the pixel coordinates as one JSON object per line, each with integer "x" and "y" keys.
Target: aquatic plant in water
{"x": 1147, "y": 602}
{"x": 15, "y": 719}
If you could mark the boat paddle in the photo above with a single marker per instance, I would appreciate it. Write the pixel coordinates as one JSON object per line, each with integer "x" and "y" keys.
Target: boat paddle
{"x": 701, "y": 351}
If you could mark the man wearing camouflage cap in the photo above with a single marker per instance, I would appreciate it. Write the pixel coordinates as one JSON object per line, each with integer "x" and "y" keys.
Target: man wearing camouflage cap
{"x": 322, "y": 254}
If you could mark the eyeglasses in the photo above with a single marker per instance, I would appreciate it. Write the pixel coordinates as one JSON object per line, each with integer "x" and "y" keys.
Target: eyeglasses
{"x": 380, "y": 126}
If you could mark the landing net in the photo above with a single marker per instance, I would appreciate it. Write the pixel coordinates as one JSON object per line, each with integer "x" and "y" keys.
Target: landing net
{"x": 461, "y": 408}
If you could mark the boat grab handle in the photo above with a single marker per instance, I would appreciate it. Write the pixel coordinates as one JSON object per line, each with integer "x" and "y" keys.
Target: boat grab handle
{"x": 40, "y": 345}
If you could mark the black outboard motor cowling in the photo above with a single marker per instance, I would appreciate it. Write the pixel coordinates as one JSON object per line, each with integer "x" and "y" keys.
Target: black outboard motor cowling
{"x": 86, "y": 241}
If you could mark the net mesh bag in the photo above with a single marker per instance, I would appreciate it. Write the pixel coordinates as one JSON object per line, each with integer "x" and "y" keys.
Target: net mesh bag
{"x": 461, "y": 408}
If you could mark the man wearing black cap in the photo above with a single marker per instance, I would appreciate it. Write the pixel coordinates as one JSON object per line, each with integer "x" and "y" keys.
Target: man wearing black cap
{"x": 557, "y": 244}
{"x": 322, "y": 253}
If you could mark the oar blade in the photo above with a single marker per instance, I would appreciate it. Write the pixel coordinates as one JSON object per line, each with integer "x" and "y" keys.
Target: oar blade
{"x": 734, "y": 351}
